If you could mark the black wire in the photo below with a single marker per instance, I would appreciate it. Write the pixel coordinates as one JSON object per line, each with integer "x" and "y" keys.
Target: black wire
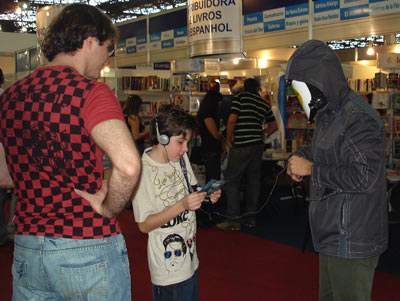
{"x": 307, "y": 133}
{"x": 248, "y": 213}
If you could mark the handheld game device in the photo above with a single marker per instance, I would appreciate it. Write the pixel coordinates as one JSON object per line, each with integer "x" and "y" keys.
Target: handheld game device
{"x": 212, "y": 186}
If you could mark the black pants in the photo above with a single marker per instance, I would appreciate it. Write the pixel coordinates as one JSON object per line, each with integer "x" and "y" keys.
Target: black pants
{"x": 212, "y": 164}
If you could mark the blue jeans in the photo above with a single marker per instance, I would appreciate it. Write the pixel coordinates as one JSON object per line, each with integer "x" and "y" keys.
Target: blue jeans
{"x": 187, "y": 290}
{"x": 243, "y": 161}
{"x": 48, "y": 268}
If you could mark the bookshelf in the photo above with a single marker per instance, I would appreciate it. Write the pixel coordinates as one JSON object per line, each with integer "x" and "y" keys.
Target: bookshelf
{"x": 298, "y": 132}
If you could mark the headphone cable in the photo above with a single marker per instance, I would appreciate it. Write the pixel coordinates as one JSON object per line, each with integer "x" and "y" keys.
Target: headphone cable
{"x": 209, "y": 214}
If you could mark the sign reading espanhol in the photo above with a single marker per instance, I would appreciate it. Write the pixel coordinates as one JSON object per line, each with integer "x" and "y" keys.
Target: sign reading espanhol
{"x": 213, "y": 19}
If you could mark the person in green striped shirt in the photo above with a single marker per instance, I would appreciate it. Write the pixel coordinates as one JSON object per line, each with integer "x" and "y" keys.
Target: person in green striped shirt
{"x": 244, "y": 136}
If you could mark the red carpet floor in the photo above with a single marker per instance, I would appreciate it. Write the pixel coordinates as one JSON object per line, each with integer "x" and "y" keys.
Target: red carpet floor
{"x": 233, "y": 266}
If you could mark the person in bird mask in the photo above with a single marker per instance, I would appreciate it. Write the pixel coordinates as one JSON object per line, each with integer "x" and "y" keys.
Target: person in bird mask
{"x": 346, "y": 167}
{"x": 311, "y": 99}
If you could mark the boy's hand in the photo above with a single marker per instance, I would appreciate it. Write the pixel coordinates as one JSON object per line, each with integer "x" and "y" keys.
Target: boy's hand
{"x": 193, "y": 201}
{"x": 214, "y": 197}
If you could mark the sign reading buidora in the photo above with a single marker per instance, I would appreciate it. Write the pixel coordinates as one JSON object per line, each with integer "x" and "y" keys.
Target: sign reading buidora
{"x": 213, "y": 19}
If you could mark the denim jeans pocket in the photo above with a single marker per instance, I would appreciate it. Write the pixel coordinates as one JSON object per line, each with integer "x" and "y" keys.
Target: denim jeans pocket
{"x": 88, "y": 282}
{"x": 124, "y": 257}
{"x": 20, "y": 273}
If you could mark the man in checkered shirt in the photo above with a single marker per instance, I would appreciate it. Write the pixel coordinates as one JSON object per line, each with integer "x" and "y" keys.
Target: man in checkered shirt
{"x": 55, "y": 126}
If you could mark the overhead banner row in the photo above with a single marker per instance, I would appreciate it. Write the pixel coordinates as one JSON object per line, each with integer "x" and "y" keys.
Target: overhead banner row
{"x": 217, "y": 26}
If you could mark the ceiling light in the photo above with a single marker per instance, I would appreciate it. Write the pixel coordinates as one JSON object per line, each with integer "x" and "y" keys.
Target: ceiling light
{"x": 262, "y": 63}
{"x": 235, "y": 61}
{"x": 370, "y": 51}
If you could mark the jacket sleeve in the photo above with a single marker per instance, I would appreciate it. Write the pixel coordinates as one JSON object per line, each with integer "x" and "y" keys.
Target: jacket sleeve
{"x": 356, "y": 164}
{"x": 305, "y": 153}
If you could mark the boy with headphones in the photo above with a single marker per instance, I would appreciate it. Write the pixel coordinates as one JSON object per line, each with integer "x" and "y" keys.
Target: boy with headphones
{"x": 164, "y": 206}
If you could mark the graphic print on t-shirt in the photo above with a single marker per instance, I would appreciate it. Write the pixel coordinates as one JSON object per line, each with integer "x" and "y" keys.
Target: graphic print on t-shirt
{"x": 175, "y": 252}
{"x": 46, "y": 150}
{"x": 171, "y": 188}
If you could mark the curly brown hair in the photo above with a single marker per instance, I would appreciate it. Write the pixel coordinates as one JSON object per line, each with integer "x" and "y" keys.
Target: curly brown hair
{"x": 74, "y": 24}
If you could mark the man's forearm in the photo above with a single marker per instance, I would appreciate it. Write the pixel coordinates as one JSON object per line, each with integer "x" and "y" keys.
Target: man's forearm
{"x": 120, "y": 189}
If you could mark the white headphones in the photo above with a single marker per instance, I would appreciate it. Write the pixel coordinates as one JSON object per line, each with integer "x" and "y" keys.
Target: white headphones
{"x": 162, "y": 139}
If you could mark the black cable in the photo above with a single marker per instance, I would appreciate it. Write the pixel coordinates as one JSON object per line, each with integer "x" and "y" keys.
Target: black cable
{"x": 248, "y": 213}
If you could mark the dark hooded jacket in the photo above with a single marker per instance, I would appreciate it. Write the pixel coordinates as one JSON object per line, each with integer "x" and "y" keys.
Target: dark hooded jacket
{"x": 348, "y": 208}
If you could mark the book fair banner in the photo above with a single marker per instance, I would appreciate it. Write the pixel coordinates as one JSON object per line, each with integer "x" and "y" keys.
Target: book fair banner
{"x": 214, "y": 27}
{"x": 267, "y": 16}
{"x": 168, "y": 30}
{"x": 133, "y": 37}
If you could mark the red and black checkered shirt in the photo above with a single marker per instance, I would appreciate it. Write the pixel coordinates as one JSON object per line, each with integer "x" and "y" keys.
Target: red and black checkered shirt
{"x": 46, "y": 120}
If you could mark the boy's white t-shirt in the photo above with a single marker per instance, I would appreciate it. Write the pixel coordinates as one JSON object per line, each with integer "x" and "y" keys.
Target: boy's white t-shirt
{"x": 171, "y": 249}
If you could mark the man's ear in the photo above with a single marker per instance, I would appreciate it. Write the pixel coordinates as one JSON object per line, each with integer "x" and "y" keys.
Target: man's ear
{"x": 89, "y": 43}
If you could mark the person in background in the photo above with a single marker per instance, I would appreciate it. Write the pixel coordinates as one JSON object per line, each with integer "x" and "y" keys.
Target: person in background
{"x": 369, "y": 98}
{"x": 131, "y": 110}
{"x": 244, "y": 136}
{"x": 214, "y": 86}
{"x": 212, "y": 142}
{"x": 212, "y": 146}
{"x": 274, "y": 140}
{"x": 68, "y": 243}
{"x": 346, "y": 165}
{"x": 165, "y": 204}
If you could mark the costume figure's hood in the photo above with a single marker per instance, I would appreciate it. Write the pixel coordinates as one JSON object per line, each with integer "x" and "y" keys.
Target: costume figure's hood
{"x": 315, "y": 63}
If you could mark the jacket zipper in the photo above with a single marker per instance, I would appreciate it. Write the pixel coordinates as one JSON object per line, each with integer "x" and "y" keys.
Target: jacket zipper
{"x": 342, "y": 228}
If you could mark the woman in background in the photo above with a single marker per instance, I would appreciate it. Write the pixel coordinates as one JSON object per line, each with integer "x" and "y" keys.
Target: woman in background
{"x": 131, "y": 110}
{"x": 212, "y": 147}
{"x": 212, "y": 142}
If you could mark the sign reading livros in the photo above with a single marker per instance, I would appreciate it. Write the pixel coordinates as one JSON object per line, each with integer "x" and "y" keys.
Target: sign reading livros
{"x": 212, "y": 21}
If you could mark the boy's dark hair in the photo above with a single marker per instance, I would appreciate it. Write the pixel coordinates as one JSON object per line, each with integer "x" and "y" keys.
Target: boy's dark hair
{"x": 172, "y": 121}
{"x": 74, "y": 24}
{"x": 132, "y": 105}
{"x": 251, "y": 85}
